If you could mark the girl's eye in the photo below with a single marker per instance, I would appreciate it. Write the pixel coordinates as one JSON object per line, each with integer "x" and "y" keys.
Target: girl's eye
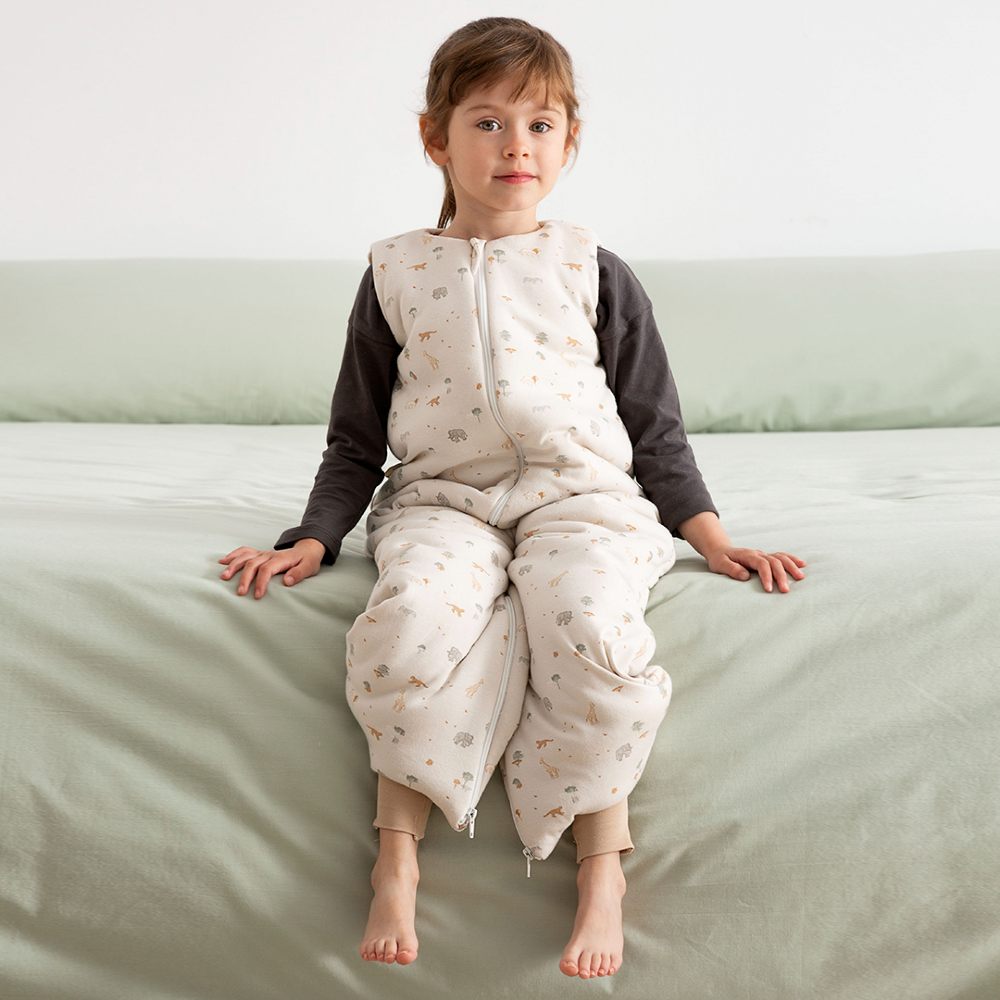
{"x": 548, "y": 127}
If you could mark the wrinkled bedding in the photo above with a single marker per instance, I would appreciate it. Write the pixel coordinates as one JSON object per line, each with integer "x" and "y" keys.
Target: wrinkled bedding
{"x": 186, "y": 801}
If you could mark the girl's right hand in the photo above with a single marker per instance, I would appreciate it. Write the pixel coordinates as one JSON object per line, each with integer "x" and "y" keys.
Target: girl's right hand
{"x": 303, "y": 559}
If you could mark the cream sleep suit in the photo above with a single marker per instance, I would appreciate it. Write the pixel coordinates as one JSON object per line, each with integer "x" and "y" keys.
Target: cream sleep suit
{"x": 514, "y": 548}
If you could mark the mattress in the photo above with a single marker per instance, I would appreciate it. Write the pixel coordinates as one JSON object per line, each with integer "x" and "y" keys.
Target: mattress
{"x": 186, "y": 799}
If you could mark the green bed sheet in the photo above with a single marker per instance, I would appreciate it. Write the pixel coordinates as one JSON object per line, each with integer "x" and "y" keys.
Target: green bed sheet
{"x": 186, "y": 800}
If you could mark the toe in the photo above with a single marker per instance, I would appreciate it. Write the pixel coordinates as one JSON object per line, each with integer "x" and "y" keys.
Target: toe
{"x": 585, "y": 957}
{"x": 569, "y": 966}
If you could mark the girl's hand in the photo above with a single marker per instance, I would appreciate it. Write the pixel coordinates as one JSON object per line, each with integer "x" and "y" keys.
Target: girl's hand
{"x": 735, "y": 562}
{"x": 303, "y": 559}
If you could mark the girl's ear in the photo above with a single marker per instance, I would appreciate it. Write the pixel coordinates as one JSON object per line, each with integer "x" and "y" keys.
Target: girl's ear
{"x": 570, "y": 136}
{"x": 432, "y": 145}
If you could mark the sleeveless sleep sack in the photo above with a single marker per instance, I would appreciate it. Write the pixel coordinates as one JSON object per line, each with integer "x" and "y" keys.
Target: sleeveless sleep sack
{"x": 514, "y": 548}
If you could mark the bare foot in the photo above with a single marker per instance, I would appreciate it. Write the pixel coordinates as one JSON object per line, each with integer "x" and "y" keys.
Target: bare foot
{"x": 390, "y": 935}
{"x": 596, "y": 944}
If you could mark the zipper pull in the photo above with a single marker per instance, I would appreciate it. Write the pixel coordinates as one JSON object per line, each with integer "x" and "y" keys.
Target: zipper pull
{"x": 527, "y": 853}
{"x": 471, "y": 819}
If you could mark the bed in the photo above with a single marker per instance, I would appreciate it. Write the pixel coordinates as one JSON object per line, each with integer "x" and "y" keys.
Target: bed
{"x": 185, "y": 798}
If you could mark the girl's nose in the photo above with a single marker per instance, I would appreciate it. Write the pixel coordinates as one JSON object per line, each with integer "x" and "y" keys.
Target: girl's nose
{"x": 517, "y": 143}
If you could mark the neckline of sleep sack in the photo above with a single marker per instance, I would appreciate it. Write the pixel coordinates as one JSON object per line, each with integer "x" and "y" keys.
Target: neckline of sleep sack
{"x": 545, "y": 225}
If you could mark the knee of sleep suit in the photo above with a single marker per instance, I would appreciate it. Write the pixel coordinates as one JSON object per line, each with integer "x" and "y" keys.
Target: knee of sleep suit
{"x": 512, "y": 456}
{"x": 583, "y": 568}
{"x": 437, "y": 664}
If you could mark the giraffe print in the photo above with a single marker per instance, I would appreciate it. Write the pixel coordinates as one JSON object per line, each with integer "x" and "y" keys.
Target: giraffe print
{"x": 515, "y": 551}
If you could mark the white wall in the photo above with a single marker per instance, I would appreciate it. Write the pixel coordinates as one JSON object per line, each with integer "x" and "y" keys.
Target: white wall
{"x": 287, "y": 128}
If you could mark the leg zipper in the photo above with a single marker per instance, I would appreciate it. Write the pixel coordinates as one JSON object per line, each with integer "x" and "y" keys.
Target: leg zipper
{"x": 529, "y": 855}
{"x": 469, "y": 819}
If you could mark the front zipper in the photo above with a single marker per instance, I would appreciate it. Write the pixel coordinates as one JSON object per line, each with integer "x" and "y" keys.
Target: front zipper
{"x": 478, "y": 249}
{"x": 478, "y": 252}
{"x": 469, "y": 819}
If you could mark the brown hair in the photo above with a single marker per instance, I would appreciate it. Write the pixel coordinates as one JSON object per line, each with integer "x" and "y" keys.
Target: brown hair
{"x": 481, "y": 54}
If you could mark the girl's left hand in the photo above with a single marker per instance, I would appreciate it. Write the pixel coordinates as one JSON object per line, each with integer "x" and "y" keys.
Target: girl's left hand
{"x": 735, "y": 562}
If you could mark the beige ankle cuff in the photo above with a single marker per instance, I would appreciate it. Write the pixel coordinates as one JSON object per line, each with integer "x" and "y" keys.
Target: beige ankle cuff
{"x": 604, "y": 831}
{"x": 401, "y": 808}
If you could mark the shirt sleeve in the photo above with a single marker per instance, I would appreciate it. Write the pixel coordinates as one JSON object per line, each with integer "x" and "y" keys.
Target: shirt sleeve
{"x": 635, "y": 359}
{"x": 351, "y": 466}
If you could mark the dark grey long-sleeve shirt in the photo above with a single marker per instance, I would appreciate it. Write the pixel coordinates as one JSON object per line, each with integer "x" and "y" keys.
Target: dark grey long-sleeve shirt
{"x": 638, "y": 373}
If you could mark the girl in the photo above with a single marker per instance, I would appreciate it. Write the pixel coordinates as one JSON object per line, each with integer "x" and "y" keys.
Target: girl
{"x": 515, "y": 369}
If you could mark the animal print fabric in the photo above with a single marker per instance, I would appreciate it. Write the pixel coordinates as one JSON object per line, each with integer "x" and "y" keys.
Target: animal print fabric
{"x": 515, "y": 552}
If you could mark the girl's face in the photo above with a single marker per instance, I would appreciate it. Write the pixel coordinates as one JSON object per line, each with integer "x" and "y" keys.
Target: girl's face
{"x": 489, "y": 137}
